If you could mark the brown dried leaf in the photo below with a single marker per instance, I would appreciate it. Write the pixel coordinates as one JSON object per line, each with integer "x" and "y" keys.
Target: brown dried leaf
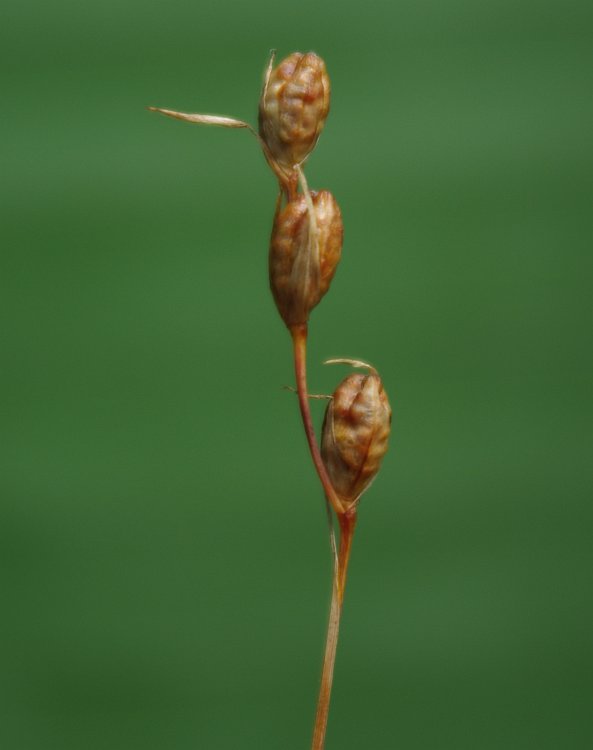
{"x": 223, "y": 122}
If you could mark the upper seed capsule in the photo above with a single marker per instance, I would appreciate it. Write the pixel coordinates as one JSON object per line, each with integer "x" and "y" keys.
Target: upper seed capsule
{"x": 304, "y": 253}
{"x": 293, "y": 107}
{"x": 355, "y": 433}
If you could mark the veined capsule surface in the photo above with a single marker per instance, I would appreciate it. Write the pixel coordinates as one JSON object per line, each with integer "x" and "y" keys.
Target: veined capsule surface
{"x": 304, "y": 254}
{"x": 293, "y": 107}
{"x": 355, "y": 434}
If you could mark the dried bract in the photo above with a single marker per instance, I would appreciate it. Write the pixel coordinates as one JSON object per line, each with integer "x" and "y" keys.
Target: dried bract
{"x": 355, "y": 433}
{"x": 304, "y": 253}
{"x": 293, "y": 107}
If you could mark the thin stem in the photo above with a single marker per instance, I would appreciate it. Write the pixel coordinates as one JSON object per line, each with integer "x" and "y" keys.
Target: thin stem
{"x": 327, "y": 674}
{"x": 347, "y": 520}
{"x": 299, "y": 339}
{"x": 347, "y": 525}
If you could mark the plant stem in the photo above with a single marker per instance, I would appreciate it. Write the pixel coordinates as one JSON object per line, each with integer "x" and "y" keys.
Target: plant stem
{"x": 347, "y": 525}
{"x": 347, "y": 520}
{"x": 327, "y": 674}
{"x": 299, "y": 340}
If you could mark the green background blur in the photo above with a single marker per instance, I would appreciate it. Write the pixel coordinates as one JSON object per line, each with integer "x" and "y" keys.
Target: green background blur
{"x": 164, "y": 566}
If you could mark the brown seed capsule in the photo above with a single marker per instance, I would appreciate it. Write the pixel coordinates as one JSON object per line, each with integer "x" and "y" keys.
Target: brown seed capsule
{"x": 355, "y": 433}
{"x": 304, "y": 254}
{"x": 293, "y": 107}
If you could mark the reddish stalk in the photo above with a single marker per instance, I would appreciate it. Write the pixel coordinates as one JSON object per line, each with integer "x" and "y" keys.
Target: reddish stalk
{"x": 347, "y": 520}
{"x": 347, "y": 525}
{"x": 327, "y": 674}
{"x": 299, "y": 340}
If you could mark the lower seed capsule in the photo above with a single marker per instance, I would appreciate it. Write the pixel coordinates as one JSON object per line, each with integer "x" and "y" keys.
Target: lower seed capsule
{"x": 355, "y": 434}
{"x": 304, "y": 253}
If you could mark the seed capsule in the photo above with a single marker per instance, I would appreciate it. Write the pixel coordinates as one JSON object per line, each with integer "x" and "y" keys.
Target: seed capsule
{"x": 355, "y": 433}
{"x": 304, "y": 253}
{"x": 293, "y": 107}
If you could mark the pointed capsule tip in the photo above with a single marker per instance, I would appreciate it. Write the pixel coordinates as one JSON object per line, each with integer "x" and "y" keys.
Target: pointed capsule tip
{"x": 351, "y": 362}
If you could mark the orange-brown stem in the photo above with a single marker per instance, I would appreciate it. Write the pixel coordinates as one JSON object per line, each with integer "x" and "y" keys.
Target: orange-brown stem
{"x": 347, "y": 520}
{"x": 327, "y": 674}
{"x": 347, "y": 524}
{"x": 299, "y": 339}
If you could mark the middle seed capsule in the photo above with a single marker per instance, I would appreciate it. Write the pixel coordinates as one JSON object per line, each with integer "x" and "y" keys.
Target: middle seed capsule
{"x": 304, "y": 254}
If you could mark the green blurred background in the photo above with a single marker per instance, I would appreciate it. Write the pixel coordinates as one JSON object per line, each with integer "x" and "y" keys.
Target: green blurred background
{"x": 165, "y": 572}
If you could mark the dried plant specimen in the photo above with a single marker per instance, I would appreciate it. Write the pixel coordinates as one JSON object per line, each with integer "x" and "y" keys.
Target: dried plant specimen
{"x": 305, "y": 249}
